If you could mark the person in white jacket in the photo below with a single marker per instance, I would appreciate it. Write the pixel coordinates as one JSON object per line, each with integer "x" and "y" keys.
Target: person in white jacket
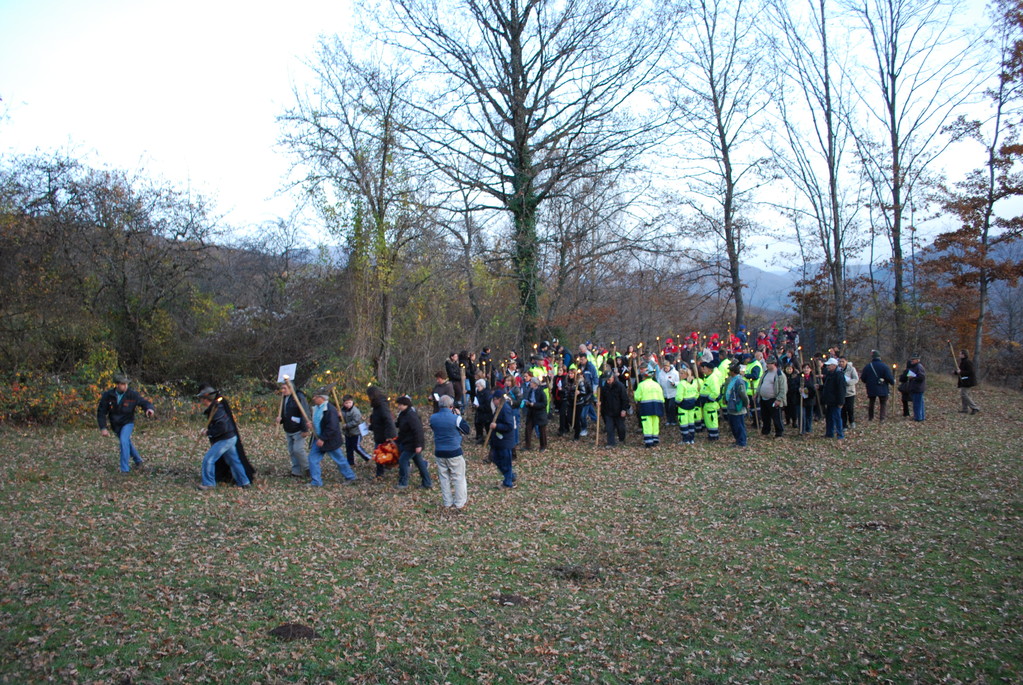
{"x": 851, "y": 379}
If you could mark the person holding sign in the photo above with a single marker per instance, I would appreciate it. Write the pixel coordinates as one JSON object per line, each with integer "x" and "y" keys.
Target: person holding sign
{"x": 294, "y": 409}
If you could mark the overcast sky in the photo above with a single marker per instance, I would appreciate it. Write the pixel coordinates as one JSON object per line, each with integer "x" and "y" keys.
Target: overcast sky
{"x": 187, "y": 90}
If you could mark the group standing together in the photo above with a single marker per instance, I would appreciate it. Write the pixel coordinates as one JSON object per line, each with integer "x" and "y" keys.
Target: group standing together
{"x": 686, "y": 386}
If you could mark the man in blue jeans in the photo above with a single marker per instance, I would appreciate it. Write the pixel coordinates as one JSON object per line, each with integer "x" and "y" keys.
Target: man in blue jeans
{"x": 737, "y": 401}
{"x": 504, "y": 435}
{"x": 410, "y": 443}
{"x": 833, "y": 398}
{"x": 222, "y": 433}
{"x": 326, "y": 426}
{"x": 118, "y": 405}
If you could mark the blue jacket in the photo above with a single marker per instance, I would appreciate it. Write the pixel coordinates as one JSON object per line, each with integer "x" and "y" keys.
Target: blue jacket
{"x": 448, "y": 429}
{"x": 506, "y": 431}
{"x": 878, "y": 378}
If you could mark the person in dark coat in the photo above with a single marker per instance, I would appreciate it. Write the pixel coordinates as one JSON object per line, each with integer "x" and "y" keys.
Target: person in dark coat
{"x": 808, "y": 401}
{"x": 291, "y": 419}
{"x": 441, "y": 388}
{"x": 504, "y": 435}
{"x": 535, "y": 406}
{"x": 329, "y": 439}
{"x": 614, "y": 406}
{"x": 916, "y": 385}
{"x": 484, "y": 413}
{"x": 456, "y": 375}
{"x": 381, "y": 421}
{"x": 222, "y": 432}
{"x": 967, "y": 380}
{"x": 118, "y": 406}
{"x": 410, "y": 443}
{"x": 878, "y": 379}
{"x": 833, "y": 398}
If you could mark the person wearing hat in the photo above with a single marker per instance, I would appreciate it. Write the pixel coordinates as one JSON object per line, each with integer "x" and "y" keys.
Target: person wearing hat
{"x": 878, "y": 379}
{"x": 118, "y": 406}
{"x": 535, "y": 406}
{"x": 688, "y": 393}
{"x": 916, "y": 384}
{"x": 967, "y": 380}
{"x": 504, "y": 435}
{"x": 326, "y": 426}
{"x": 293, "y": 410}
{"x": 833, "y": 398}
{"x": 410, "y": 443}
{"x": 772, "y": 394}
{"x": 222, "y": 432}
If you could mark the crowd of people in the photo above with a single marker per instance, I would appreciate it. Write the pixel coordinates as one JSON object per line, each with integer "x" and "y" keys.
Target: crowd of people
{"x": 682, "y": 387}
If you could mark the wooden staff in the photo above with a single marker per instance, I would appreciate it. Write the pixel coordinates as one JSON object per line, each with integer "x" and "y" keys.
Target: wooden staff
{"x": 596, "y": 437}
{"x": 300, "y": 409}
{"x": 955, "y": 360}
{"x": 493, "y": 423}
{"x": 799, "y": 421}
{"x": 575, "y": 397}
{"x": 209, "y": 422}
{"x": 817, "y": 368}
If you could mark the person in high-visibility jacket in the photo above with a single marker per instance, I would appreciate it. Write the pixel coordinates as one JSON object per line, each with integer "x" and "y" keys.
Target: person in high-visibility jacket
{"x": 754, "y": 374}
{"x": 686, "y": 397}
{"x": 650, "y": 406}
{"x": 710, "y": 392}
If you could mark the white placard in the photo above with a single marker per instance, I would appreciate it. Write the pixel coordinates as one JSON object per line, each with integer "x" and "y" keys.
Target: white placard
{"x": 287, "y": 371}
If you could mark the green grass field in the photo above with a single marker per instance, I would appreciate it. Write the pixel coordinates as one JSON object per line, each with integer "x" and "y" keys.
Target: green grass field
{"x": 895, "y": 558}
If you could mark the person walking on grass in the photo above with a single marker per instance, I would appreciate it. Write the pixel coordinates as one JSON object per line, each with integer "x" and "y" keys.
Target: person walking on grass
{"x": 117, "y": 405}
{"x": 326, "y": 426}
{"x": 410, "y": 442}
{"x": 222, "y": 432}
{"x": 967, "y": 381}
{"x": 448, "y": 428}
{"x": 294, "y": 425}
{"x": 916, "y": 385}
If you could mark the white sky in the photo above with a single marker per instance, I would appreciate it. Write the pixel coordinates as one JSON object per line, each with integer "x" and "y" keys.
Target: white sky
{"x": 185, "y": 90}
{"x": 188, "y": 91}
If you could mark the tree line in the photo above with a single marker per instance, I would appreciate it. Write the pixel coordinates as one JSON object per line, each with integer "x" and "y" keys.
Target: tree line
{"x": 506, "y": 171}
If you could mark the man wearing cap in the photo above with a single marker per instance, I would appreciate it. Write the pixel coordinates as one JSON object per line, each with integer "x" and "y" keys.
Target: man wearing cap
{"x": 772, "y": 395}
{"x": 291, "y": 419}
{"x": 326, "y": 426}
{"x": 877, "y": 378}
{"x": 967, "y": 380}
{"x": 833, "y": 398}
{"x": 222, "y": 433}
{"x": 118, "y": 405}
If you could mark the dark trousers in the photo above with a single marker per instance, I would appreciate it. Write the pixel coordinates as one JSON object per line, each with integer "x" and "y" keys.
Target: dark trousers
{"x": 564, "y": 417}
{"x": 529, "y": 434}
{"x": 770, "y": 415}
{"x": 353, "y": 447}
{"x": 905, "y": 403}
{"x": 883, "y": 401}
{"x": 615, "y": 425}
{"x": 580, "y": 421}
{"x": 849, "y": 411}
{"x": 502, "y": 459}
{"x": 670, "y": 411}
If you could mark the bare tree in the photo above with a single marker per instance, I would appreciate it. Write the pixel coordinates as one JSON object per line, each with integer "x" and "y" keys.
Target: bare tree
{"x": 720, "y": 94}
{"x": 813, "y": 104}
{"x": 922, "y": 72}
{"x": 346, "y": 135}
{"x": 535, "y": 94}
